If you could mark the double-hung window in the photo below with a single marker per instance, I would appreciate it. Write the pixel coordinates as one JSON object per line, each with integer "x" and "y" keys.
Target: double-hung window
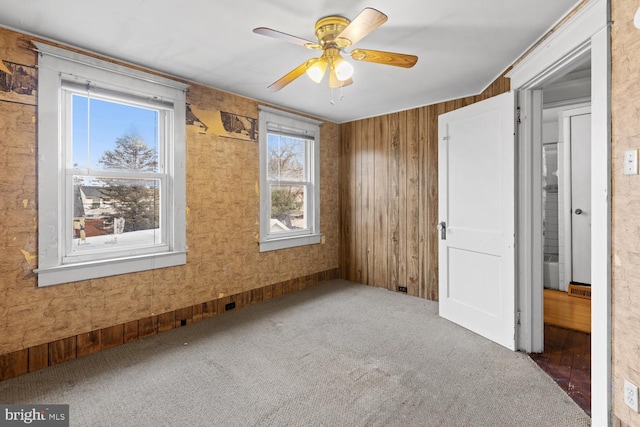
{"x": 289, "y": 180}
{"x": 111, "y": 169}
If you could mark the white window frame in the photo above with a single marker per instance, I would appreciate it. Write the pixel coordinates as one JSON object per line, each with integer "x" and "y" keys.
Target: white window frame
{"x": 57, "y": 67}
{"x": 308, "y": 129}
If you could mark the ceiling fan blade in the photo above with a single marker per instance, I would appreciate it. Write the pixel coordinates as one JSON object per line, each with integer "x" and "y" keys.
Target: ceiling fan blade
{"x": 4, "y": 68}
{"x": 387, "y": 58}
{"x": 286, "y": 37}
{"x": 367, "y": 21}
{"x": 288, "y": 78}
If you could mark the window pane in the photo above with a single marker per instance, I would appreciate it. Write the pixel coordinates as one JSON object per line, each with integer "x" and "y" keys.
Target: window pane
{"x": 285, "y": 158}
{"x": 114, "y": 136}
{"x": 287, "y": 208}
{"x": 115, "y": 213}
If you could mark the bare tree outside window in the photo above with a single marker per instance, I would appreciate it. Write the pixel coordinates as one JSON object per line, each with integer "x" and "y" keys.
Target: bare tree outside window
{"x": 286, "y": 159}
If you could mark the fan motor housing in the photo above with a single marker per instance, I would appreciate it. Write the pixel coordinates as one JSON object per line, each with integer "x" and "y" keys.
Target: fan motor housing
{"x": 329, "y": 27}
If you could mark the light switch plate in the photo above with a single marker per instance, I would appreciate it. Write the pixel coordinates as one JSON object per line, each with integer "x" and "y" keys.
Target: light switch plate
{"x": 631, "y": 162}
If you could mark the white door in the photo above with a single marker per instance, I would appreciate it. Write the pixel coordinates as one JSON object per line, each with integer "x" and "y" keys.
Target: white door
{"x": 476, "y": 186}
{"x": 577, "y": 127}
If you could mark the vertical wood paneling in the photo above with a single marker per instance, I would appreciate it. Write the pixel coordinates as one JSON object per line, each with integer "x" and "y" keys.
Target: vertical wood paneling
{"x": 112, "y": 336}
{"x": 411, "y": 205}
{"x": 256, "y": 297}
{"x": 166, "y": 321}
{"x": 62, "y": 350}
{"x": 368, "y": 135}
{"x": 353, "y": 197}
{"x": 430, "y": 290}
{"x": 276, "y": 291}
{"x": 267, "y": 294}
{"x": 403, "y": 164}
{"x": 88, "y": 343}
{"x": 147, "y": 326}
{"x": 210, "y": 309}
{"x": 389, "y": 190}
{"x": 38, "y": 357}
{"x": 288, "y": 286}
{"x": 184, "y": 316}
{"x": 130, "y": 331}
{"x": 345, "y": 200}
{"x": 393, "y": 236}
{"x": 14, "y": 364}
{"x": 359, "y": 256}
{"x": 381, "y": 203}
{"x": 423, "y": 200}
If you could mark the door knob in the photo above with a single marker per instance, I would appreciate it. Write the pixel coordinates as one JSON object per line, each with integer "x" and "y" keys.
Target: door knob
{"x": 443, "y": 230}
{"x": 578, "y": 211}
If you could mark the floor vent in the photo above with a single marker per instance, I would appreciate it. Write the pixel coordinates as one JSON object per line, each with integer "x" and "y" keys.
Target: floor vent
{"x": 580, "y": 291}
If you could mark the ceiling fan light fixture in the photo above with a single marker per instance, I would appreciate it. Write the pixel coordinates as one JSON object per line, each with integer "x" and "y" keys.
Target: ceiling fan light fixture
{"x": 334, "y": 34}
{"x": 316, "y": 69}
{"x": 342, "y": 68}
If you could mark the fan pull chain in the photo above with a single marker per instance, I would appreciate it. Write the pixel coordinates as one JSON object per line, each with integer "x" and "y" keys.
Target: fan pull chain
{"x": 340, "y": 98}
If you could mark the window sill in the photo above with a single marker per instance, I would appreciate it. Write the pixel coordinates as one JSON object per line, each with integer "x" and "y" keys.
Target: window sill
{"x": 92, "y": 270}
{"x": 290, "y": 242}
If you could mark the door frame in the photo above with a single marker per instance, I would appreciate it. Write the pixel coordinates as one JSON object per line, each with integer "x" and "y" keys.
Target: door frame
{"x": 586, "y": 31}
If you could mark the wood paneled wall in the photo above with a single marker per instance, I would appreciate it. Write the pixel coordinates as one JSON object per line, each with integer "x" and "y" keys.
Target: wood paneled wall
{"x": 389, "y": 197}
{"x": 222, "y": 212}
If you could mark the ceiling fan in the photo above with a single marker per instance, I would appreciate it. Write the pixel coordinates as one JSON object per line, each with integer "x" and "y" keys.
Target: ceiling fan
{"x": 334, "y": 34}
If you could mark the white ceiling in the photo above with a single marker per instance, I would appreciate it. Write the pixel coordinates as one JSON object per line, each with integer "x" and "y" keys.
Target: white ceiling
{"x": 462, "y": 45}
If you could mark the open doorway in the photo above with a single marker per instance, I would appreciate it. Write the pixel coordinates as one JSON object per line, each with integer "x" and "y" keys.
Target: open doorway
{"x": 584, "y": 32}
{"x": 566, "y": 196}
{"x": 566, "y": 230}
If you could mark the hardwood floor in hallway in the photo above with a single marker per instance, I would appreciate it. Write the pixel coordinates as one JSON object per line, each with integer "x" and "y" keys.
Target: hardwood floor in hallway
{"x": 567, "y": 359}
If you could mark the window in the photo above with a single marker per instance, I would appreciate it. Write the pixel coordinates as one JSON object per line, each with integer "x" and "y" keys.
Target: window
{"x": 289, "y": 180}
{"x": 111, "y": 169}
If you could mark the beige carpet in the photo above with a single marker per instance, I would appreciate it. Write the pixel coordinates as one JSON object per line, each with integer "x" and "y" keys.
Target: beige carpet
{"x": 338, "y": 354}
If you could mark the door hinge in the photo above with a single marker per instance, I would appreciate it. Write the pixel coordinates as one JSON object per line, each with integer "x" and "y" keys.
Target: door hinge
{"x": 518, "y": 120}
{"x": 518, "y": 317}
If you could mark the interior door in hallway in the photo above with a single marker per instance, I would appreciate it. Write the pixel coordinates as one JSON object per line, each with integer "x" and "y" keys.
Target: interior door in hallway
{"x": 577, "y": 128}
{"x": 476, "y": 197}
